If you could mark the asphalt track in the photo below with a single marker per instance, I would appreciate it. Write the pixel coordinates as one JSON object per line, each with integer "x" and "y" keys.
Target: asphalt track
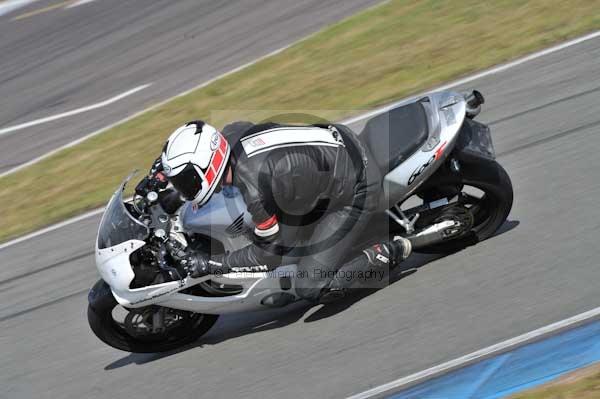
{"x": 63, "y": 59}
{"x": 542, "y": 268}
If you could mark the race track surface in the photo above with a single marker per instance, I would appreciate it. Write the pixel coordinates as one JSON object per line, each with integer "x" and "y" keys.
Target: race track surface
{"x": 541, "y": 268}
{"x": 54, "y": 60}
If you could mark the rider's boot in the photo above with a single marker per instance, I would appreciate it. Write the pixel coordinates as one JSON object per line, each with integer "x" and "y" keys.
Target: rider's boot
{"x": 384, "y": 255}
{"x": 389, "y": 253}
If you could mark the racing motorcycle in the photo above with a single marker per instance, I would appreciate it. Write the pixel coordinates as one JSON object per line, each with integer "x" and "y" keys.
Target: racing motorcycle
{"x": 442, "y": 189}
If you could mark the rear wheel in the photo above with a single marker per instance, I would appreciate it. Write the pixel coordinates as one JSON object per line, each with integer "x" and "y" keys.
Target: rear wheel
{"x": 148, "y": 329}
{"x": 486, "y": 193}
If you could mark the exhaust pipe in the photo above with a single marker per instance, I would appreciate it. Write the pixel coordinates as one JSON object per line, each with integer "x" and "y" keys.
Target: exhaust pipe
{"x": 474, "y": 101}
{"x": 433, "y": 234}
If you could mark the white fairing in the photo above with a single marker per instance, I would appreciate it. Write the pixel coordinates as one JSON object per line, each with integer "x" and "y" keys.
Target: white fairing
{"x": 113, "y": 264}
{"x": 446, "y": 113}
{"x": 118, "y": 273}
{"x": 115, "y": 269}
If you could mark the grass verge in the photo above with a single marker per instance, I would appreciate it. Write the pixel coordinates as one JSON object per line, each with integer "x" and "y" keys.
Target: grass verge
{"x": 581, "y": 384}
{"x": 387, "y": 52}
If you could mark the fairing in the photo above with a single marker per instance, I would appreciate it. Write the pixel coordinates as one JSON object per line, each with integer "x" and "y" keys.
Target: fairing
{"x": 446, "y": 114}
{"x": 215, "y": 218}
{"x": 117, "y": 224}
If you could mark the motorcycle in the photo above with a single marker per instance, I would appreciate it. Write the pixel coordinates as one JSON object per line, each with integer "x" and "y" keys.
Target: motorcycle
{"x": 432, "y": 154}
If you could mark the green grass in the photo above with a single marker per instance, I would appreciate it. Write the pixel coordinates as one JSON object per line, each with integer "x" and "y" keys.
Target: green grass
{"x": 384, "y": 53}
{"x": 582, "y": 384}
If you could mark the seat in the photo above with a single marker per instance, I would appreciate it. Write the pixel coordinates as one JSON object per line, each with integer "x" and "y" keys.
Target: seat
{"x": 395, "y": 135}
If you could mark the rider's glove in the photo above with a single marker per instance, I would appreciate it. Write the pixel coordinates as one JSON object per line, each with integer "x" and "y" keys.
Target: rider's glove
{"x": 157, "y": 166}
{"x": 199, "y": 265}
{"x": 195, "y": 263}
{"x": 155, "y": 181}
{"x": 151, "y": 183}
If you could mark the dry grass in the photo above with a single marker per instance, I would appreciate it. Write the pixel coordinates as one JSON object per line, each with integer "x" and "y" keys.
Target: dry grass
{"x": 387, "y": 52}
{"x": 582, "y": 384}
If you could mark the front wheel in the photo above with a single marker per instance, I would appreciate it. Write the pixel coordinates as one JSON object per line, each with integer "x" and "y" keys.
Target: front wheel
{"x": 488, "y": 195}
{"x": 143, "y": 330}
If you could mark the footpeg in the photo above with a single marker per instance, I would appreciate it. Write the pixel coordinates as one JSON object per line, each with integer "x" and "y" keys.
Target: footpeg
{"x": 403, "y": 220}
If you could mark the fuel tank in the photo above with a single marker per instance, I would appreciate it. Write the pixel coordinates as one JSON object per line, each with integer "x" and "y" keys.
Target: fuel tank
{"x": 224, "y": 218}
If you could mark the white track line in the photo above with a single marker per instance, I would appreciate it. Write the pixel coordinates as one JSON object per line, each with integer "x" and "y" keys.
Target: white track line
{"x": 102, "y": 130}
{"x": 478, "y": 355}
{"x": 355, "y": 119}
{"x": 74, "y": 111}
{"x": 201, "y": 85}
{"x": 11, "y": 5}
{"x": 52, "y": 228}
{"x": 79, "y": 3}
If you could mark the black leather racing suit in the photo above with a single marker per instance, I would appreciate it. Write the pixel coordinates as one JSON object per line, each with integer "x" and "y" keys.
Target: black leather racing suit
{"x": 311, "y": 192}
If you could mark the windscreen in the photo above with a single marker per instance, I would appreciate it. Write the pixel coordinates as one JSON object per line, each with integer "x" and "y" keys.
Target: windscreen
{"x": 118, "y": 225}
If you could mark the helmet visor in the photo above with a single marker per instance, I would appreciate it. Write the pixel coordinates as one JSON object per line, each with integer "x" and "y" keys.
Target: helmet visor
{"x": 187, "y": 182}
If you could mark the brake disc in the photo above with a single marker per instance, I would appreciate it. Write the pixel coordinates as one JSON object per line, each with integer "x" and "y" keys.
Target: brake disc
{"x": 139, "y": 322}
{"x": 463, "y": 221}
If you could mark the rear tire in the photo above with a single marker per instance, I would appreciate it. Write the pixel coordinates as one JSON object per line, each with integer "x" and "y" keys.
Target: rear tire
{"x": 493, "y": 180}
{"x": 103, "y": 325}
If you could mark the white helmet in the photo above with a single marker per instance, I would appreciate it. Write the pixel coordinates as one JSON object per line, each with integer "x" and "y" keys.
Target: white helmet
{"x": 194, "y": 160}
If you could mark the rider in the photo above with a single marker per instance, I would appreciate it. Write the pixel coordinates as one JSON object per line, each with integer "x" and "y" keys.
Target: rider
{"x": 316, "y": 181}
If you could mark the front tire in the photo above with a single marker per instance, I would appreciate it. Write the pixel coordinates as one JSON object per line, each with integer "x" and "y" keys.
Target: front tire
{"x": 100, "y": 318}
